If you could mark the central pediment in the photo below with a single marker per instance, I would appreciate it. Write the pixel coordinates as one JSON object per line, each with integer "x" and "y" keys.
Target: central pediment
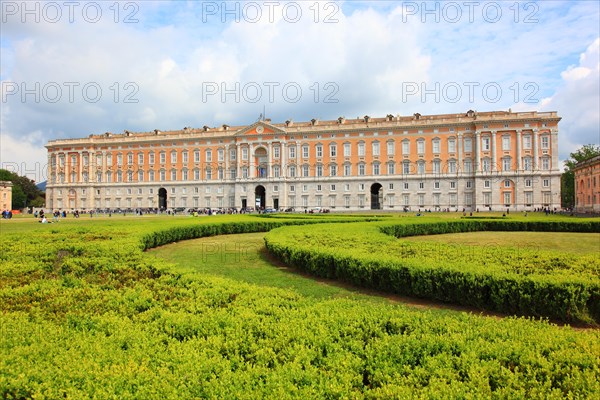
{"x": 260, "y": 128}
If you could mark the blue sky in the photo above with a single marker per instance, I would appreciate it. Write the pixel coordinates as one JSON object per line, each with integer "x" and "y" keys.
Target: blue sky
{"x": 106, "y": 66}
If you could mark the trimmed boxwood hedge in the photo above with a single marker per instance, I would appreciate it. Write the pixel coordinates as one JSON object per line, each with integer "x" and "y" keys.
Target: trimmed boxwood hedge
{"x": 364, "y": 256}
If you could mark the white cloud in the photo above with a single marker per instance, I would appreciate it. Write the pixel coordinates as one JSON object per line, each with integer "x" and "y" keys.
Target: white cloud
{"x": 155, "y": 73}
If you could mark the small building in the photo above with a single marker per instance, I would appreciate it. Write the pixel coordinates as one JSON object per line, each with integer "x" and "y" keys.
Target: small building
{"x": 5, "y": 195}
{"x": 587, "y": 185}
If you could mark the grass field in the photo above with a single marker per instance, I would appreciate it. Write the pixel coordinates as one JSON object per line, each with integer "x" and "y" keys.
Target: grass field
{"x": 243, "y": 259}
{"x": 86, "y": 313}
{"x": 578, "y": 243}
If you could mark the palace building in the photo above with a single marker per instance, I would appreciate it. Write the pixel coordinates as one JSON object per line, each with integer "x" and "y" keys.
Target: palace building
{"x": 587, "y": 185}
{"x": 475, "y": 160}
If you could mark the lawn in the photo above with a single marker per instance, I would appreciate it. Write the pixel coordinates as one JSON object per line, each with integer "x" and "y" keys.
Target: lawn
{"x": 577, "y": 243}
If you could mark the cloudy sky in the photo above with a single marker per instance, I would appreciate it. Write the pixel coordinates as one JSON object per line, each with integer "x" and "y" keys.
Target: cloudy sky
{"x": 70, "y": 69}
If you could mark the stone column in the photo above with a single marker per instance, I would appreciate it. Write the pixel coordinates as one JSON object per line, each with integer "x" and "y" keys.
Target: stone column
{"x": 477, "y": 145}
{"x": 518, "y": 152}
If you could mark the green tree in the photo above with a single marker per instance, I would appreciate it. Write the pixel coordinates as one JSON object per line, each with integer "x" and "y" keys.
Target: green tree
{"x": 24, "y": 190}
{"x": 567, "y": 181}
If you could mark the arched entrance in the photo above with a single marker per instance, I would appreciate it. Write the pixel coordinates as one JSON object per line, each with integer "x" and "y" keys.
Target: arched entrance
{"x": 162, "y": 198}
{"x": 261, "y": 197}
{"x": 376, "y": 196}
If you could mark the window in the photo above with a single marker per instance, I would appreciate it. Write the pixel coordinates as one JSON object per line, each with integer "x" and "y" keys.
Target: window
{"x": 406, "y": 199}
{"x": 276, "y": 152}
{"x": 436, "y": 145}
{"x": 452, "y": 184}
{"x": 487, "y": 199}
{"x": 173, "y": 157}
{"x": 305, "y": 170}
{"x": 244, "y": 153}
{"x": 451, "y": 146}
{"x": 506, "y": 143}
{"x": 506, "y": 183}
{"x": 528, "y": 198}
{"x": 232, "y": 154}
{"x": 390, "y": 148}
{"x": 406, "y": 168}
{"x": 507, "y": 199}
{"x": 527, "y": 182}
{"x": 391, "y": 186}
{"x": 375, "y": 148}
{"x": 421, "y": 200}
{"x": 361, "y": 149}
{"x": 196, "y": 174}
{"x": 184, "y": 175}
{"x": 468, "y": 145}
{"x": 276, "y": 171}
{"x": 292, "y": 171}
{"x": 420, "y": 146}
{"x": 527, "y": 163}
{"x": 405, "y": 185}
{"x": 468, "y": 166}
{"x": 232, "y": 173}
{"x": 333, "y": 170}
{"x": 196, "y": 156}
{"x": 173, "y": 175}
{"x": 347, "y": 150}
{"x": 129, "y": 158}
{"x": 421, "y": 185}
{"x": 421, "y": 167}
{"x": 376, "y": 169}
{"x": 452, "y": 167}
{"x": 436, "y": 185}
{"x": 545, "y": 142}
{"x": 305, "y": 151}
{"x": 140, "y": 158}
{"x": 245, "y": 172}
{"x": 319, "y": 170}
{"x": 208, "y": 155}
{"x": 151, "y": 176}
{"x": 546, "y": 183}
{"x": 485, "y": 143}
{"x": 486, "y": 184}
{"x": 347, "y": 169}
{"x": 220, "y": 155}
{"x": 163, "y": 157}
{"x": 99, "y": 160}
{"x": 506, "y": 164}
{"x": 130, "y": 176}
{"x": 361, "y": 169}
{"x": 292, "y": 151}
{"x": 469, "y": 184}
{"x": 185, "y": 157}
{"x": 332, "y": 187}
{"x": 208, "y": 173}
{"x": 332, "y": 150}
{"x": 140, "y": 176}
{"x": 545, "y": 163}
{"x": 437, "y": 166}
{"x": 527, "y": 142}
{"x": 405, "y": 147}
{"x": 391, "y": 168}
{"x": 486, "y": 165}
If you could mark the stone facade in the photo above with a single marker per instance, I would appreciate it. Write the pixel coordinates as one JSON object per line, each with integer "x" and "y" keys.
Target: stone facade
{"x": 587, "y": 186}
{"x": 5, "y": 196}
{"x": 499, "y": 160}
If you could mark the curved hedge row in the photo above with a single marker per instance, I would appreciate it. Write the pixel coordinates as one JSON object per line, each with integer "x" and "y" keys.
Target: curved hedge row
{"x": 541, "y": 283}
{"x": 186, "y": 232}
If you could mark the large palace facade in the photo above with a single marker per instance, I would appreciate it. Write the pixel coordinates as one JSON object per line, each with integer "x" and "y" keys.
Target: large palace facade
{"x": 499, "y": 160}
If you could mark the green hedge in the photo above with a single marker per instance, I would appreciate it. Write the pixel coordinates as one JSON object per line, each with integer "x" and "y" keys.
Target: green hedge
{"x": 365, "y": 257}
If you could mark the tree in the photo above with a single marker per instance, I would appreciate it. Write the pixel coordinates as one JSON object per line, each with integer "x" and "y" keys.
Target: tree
{"x": 567, "y": 180}
{"x": 24, "y": 191}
